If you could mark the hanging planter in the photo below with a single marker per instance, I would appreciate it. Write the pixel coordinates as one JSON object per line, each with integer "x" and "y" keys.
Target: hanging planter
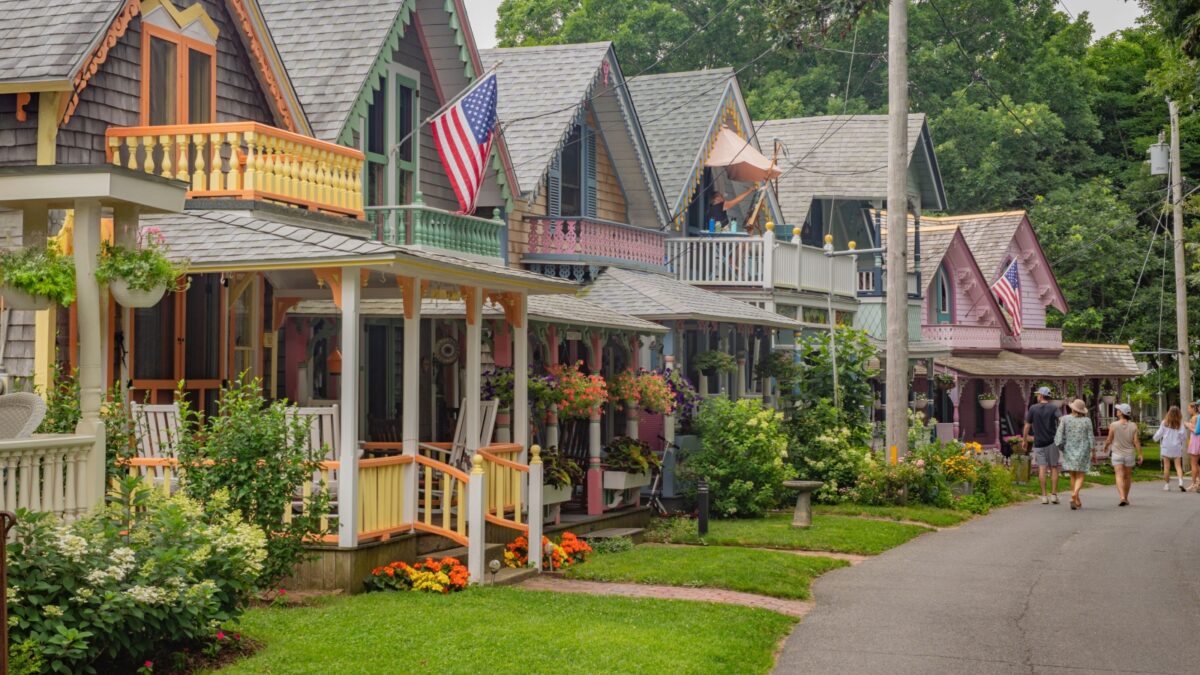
{"x": 919, "y": 403}
{"x": 34, "y": 278}
{"x": 1109, "y": 397}
{"x": 138, "y": 277}
{"x": 987, "y": 401}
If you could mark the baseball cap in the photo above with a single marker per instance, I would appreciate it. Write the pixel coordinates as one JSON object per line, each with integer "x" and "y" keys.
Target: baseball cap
{"x": 1043, "y": 391}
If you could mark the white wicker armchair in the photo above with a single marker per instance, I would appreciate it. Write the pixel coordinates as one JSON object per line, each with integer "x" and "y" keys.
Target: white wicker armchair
{"x": 20, "y": 415}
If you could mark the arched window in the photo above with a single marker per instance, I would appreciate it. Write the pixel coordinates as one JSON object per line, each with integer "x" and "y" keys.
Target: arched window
{"x": 179, "y": 65}
{"x": 943, "y": 297}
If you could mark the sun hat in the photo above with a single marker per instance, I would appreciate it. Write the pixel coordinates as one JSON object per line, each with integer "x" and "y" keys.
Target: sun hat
{"x": 1043, "y": 391}
{"x": 1124, "y": 408}
{"x": 1079, "y": 406}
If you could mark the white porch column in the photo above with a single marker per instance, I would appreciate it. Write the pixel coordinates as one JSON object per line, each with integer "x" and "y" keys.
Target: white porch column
{"x": 410, "y": 406}
{"x": 91, "y": 341}
{"x": 125, "y": 233}
{"x": 348, "y": 459}
{"x": 536, "y": 518}
{"x": 520, "y": 347}
{"x": 473, "y": 297}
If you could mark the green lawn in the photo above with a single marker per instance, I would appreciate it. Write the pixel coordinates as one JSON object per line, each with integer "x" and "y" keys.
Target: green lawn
{"x": 781, "y": 575}
{"x": 930, "y": 515}
{"x": 498, "y": 629}
{"x": 828, "y": 533}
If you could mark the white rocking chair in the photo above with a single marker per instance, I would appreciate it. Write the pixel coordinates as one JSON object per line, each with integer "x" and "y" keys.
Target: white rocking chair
{"x": 20, "y": 415}
{"x": 456, "y": 455}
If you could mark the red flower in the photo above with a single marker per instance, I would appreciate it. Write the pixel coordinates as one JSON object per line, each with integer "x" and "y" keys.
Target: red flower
{"x": 148, "y": 664}
{"x": 220, "y": 635}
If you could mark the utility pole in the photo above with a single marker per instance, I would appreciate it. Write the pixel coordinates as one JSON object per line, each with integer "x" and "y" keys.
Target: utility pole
{"x": 897, "y": 239}
{"x": 1181, "y": 314}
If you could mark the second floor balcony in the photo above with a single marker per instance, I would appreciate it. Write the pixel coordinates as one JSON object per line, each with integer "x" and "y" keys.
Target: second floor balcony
{"x": 959, "y": 337}
{"x": 246, "y": 160}
{"x": 592, "y": 241}
{"x": 759, "y": 262}
{"x": 1035, "y": 340}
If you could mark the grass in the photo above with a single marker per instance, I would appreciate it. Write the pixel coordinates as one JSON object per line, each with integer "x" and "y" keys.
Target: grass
{"x": 840, "y": 534}
{"x": 781, "y": 575}
{"x": 930, "y": 515}
{"x": 499, "y": 629}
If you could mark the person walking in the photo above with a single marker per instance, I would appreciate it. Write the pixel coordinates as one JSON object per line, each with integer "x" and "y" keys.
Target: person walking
{"x": 1193, "y": 448}
{"x": 1042, "y": 422}
{"x": 1076, "y": 437}
{"x": 1125, "y": 450}
{"x": 1172, "y": 436}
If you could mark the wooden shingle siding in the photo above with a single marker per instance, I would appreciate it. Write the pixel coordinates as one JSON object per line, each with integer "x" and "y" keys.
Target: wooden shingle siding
{"x": 435, "y": 186}
{"x": 113, "y": 95}
{"x": 18, "y": 140}
{"x": 610, "y": 200}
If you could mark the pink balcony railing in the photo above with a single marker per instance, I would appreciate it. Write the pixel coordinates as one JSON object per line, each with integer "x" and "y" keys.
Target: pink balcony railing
{"x": 964, "y": 337}
{"x": 1036, "y": 339}
{"x": 573, "y": 237}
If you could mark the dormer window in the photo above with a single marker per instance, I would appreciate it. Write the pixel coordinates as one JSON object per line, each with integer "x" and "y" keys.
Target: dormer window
{"x": 943, "y": 297}
{"x": 571, "y": 184}
{"x": 179, "y": 65}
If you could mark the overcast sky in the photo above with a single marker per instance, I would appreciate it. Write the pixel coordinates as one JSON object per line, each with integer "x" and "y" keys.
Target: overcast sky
{"x": 1106, "y": 15}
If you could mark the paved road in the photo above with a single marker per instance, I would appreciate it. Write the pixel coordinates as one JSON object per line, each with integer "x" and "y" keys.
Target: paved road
{"x": 1028, "y": 589}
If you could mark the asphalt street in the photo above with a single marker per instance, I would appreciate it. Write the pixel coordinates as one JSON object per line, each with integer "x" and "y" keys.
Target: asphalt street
{"x": 1027, "y": 589}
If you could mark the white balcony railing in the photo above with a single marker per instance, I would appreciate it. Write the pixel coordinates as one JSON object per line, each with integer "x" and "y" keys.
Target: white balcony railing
{"x": 742, "y": 261}
{"x": 46, "y": 473}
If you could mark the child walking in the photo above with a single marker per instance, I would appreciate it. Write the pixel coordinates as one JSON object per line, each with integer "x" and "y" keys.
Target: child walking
{"x": 1172, "y": 437}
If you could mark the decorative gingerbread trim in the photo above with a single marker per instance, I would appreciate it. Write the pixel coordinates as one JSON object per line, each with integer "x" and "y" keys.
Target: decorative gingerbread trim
{"x": 260, "y": 58}
{"x": 91, "y": 65}
{"x": 23, "y": 99}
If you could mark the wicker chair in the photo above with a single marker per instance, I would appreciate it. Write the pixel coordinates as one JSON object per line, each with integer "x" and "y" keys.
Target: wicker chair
{"x": 20, "y": 415}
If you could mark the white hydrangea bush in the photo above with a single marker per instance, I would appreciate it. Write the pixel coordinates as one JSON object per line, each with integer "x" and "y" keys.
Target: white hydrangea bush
{"x": 146, "y": 575}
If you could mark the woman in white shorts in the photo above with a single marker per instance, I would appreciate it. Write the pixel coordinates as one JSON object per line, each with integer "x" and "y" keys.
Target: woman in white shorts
{"x": 1172, "y": 436}
{"x": 1125, "y": 449}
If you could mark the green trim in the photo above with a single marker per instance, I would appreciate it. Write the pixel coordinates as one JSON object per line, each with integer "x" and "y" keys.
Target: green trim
{"x": 464, "y": 51}
{"x": 372, "y": 82}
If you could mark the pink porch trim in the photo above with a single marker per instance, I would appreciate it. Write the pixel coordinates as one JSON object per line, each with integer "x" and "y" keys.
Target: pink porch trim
{"x": 593, "y": 237}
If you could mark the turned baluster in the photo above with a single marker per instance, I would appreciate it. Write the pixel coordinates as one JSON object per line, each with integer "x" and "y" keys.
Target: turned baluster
{"x": 250, "y": 177}
{"x": 199, "y": 177}
{"x": 214, "y": 177}
{"x": 114, "y": 150}
{"x": 234, "y": 180}
{"x": 148, "y": 148}
{"x": 165, "y": 143}
{"x": 131, "y": 145}
{"x": 181, "y": 167}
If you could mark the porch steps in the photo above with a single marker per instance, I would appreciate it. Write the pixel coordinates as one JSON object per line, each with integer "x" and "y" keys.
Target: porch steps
{"x": 508, "y": 576}
{"x": 637, "y": 534}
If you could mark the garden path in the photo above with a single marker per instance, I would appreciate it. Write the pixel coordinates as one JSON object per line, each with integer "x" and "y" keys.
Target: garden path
{"x": 852, "y": 558}
{"x": 545, "y": 582}
{"x": 1028, "y": 589}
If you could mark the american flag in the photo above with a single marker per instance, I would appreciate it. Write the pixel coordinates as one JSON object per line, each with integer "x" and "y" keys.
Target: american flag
{"x": 1007, "y": 290}
{"x": 463, "y": 136}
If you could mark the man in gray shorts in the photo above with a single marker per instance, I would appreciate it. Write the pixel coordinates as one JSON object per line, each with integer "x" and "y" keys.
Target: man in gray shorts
{"x": 1042, "y": 421}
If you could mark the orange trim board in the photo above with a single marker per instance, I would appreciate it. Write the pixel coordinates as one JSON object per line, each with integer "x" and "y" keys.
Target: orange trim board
{"x": 91, "y": 65}
{"x": 242, "y": 16}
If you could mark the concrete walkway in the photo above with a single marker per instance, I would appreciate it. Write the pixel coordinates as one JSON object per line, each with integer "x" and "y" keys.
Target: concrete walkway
{"x": 1028, "y": 589}
{"x": 546, "y": 582}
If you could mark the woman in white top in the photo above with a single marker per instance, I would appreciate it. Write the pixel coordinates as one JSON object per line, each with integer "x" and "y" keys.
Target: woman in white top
{"x": 1172, "y": 437}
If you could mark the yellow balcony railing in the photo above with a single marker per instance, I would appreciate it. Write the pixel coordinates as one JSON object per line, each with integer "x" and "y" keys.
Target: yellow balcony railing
{"x": 246, "y": 160}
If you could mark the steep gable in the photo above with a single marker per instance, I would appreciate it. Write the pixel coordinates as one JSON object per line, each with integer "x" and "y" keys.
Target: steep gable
{"x": 996, "y": 239}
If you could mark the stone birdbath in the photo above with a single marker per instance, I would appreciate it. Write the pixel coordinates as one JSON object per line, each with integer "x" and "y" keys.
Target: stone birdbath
{"x": 802, "y": 517}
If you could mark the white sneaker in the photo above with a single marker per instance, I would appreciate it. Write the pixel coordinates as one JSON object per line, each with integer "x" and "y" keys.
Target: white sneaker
{"x": 1167, "y": 487}
{"x": 1054, "y": 498}
{"x": 1045, "y": 499}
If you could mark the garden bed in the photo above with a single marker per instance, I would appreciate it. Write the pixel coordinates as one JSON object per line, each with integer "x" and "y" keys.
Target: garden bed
{"x": 776, "y": 574}
{"x": 501, "y": 629}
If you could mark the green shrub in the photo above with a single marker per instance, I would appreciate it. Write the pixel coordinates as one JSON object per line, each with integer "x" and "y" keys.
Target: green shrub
{"x": 823, "y": 448}
{"x": 62, "y": 402}
{"x": 612, "y": 545}
{"x": 257, "y": 454}
{"x": 742, "y": 457}
{"x": 144, "y": 575}
{"x": 889, "y": 484}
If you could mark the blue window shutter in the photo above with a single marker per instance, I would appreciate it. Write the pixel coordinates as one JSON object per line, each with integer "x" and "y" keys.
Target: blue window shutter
{"x": 589, "y": 172}
{"x": 553, "y": 191}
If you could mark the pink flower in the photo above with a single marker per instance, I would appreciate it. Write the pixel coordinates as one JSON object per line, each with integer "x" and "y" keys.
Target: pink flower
{"x": 148, "y": 664}
{"x": 220, "y": 635}
{"x": 282, "y": 592}
{"x": 920, "y": 463}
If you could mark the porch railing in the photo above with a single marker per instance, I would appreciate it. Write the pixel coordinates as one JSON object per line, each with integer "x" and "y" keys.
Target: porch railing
{"x": 424, "y": 225}
{"x": 245, "y": 160}
{"x": 505, "y": 478}
{"x": 442, "y": 506}
{"x": 582, "y": 239}
{"x": 719, "y": 261}
{"x": 964, "y": 337}
{"x": 1040, "y": 339}
{"x": 45, "y": 473}
{"x": 811, "y": 272}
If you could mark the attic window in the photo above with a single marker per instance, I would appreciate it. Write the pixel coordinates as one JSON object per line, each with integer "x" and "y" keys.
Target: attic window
{"x": 179, "y": 74}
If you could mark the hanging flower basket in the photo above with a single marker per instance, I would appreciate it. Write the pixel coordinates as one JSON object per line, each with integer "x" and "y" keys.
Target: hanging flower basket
{"x": 34, "y": 278}
{"x": 134, "y": 298}
{"x": 1109, "y": 399}
{"x": 15, "y": 298}
{"x": 987, "y": 403}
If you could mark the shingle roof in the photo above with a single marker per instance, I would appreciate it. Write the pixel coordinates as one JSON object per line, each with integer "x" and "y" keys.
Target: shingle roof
{"x": 677, "y": 112}
{"x": 841, "y": 156}
{"x": 213, "y": 238}
{"x": 1076, "y": 360}
{"x": 658, "y": 297}
{"x": 329, "y": 48}
{"x": 935, "y": 241}
{"x": 541, "y": 87}
{"x": 49, "y": 40}
{"x": 988, "y": 236}
{"x": 559, "y": 309}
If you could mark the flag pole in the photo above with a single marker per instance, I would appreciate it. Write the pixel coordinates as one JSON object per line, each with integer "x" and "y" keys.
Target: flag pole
{"x": 444, "y": 107}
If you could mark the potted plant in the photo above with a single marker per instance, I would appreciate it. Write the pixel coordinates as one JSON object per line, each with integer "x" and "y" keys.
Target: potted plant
{"x": 33, "y": 278}
{"x": 628, "y": 463}
{"x": 1020, "y": 458}
{"x": 623, "y": 389}
{"x": 1108, "y": 395}
{"x": 715, "y": 362}
{"x": 919, "y": 402}
{"x": 559, "y": 476}
{"x": 138, "y": 277}
{"x": 944, "y": 381}
{"x": 580, "y": 394}
{"x": 685, "y": 399}
{"x": 655, "y": 393}
{"x": 497, "y": 385}
{"x": 987, "y": 400}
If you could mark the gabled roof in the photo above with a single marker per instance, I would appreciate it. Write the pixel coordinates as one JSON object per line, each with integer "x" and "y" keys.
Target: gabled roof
{"x": 1075, "y": 361}
{"x": 48, "y": 41}
{"x": 330, "y": 48}
{"x": 989, "y": 236}
{"x": 661, "y": 298}
{"x": 542, "y": 94}
{"x": 845, "y": 157}
{"x": 680, "y": 115}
